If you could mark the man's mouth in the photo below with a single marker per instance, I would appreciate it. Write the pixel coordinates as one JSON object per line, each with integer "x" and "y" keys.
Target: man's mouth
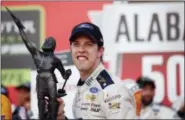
{"x": 82, "y": 58}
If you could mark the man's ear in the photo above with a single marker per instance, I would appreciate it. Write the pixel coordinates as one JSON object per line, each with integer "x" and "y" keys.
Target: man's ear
{"x": 100, "y": 51}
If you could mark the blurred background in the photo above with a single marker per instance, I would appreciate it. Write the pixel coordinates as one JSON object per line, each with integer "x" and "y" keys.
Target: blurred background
{"x": 141, "y": 39}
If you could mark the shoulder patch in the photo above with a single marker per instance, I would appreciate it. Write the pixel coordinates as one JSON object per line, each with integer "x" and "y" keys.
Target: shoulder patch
{"x": 104, "y": 79}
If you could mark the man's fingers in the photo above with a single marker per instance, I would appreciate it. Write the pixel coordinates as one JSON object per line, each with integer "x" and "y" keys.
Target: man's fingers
{"x": 61, "y": 106}
{"x": 60, "y": 100}
{"x": 60, "y": 113}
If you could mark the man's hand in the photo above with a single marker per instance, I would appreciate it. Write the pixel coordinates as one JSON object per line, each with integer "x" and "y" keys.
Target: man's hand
{"x": 15, "y": 19}
{"x": 60, "y": 114}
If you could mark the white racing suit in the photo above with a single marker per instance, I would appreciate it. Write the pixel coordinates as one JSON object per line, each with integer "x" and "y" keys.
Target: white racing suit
{"x": 156, "y": 111}
{"x": 105, "y": 97}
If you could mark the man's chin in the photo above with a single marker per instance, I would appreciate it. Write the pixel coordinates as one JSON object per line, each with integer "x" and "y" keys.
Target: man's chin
{"x": 147, "y": 103}
{"x": 82, "y": 68}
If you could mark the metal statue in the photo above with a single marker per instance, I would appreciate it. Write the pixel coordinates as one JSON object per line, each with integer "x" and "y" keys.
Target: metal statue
{"x": 46, "y": 62}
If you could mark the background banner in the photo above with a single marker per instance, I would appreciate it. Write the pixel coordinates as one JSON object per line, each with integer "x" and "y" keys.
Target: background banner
{"x": 12, "y": 46}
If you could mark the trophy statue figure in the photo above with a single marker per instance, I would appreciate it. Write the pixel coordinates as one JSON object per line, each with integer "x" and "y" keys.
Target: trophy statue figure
{"x": 46, "y": 62}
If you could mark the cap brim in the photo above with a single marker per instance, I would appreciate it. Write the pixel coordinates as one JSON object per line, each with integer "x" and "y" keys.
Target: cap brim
{"x": 82, "y": 33}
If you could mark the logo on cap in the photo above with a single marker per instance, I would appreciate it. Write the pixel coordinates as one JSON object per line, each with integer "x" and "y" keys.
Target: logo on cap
{"x": 85, "y": 26}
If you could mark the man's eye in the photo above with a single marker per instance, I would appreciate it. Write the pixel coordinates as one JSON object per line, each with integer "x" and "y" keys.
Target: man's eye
{"x": 75, "y": 44}
{"x": 89, "y": 44}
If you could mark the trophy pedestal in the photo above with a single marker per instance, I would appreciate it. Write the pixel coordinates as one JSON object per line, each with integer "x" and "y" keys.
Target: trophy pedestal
{"x": 61, "y": 93}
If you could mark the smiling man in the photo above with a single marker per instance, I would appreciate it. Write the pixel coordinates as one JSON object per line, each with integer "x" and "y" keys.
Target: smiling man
{"x": 99, "y": 95}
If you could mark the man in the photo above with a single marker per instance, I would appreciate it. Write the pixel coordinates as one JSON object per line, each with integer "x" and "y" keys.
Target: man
{"x": 151, "y": 110}
{"x": 23, "y": 93}
{"x": 99, "y": 94}
{"x": 23, "y": 97}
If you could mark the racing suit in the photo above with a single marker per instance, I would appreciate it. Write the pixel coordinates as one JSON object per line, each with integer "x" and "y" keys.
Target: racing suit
{"x": 156, "y": 111}
{"x": 103, "y": 96}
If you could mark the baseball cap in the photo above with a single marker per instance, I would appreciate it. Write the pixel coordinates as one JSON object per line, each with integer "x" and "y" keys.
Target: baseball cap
{"x": 142, "y": 81}
{"x": 87, "y": 29}
{"x": 4, "y": 90}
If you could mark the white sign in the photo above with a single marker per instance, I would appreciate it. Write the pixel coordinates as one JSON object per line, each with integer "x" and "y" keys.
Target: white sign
{"x": 152, "y": 30}
{"x": 148, "y": 27}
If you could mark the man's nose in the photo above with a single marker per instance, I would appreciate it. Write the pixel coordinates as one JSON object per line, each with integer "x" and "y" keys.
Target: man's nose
{"x": 81, "y": 48}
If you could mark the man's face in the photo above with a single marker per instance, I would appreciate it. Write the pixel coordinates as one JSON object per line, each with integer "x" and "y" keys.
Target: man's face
{"x": 147, "y": 95}
{"x": 85, "y": 54}
{"x": 23, "y": 96}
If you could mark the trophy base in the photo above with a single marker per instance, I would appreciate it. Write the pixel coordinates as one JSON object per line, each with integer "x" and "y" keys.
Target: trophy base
{"x": 61, "y": 93}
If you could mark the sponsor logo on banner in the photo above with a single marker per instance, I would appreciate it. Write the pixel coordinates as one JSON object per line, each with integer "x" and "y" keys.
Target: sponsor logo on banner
{"x": 148, "y": 39}
{"x": 12, "y": 46}
{"x": 15, "y": 77}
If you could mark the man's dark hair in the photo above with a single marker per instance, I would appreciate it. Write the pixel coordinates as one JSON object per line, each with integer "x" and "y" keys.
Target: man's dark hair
{"x": 142, "y": 81}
